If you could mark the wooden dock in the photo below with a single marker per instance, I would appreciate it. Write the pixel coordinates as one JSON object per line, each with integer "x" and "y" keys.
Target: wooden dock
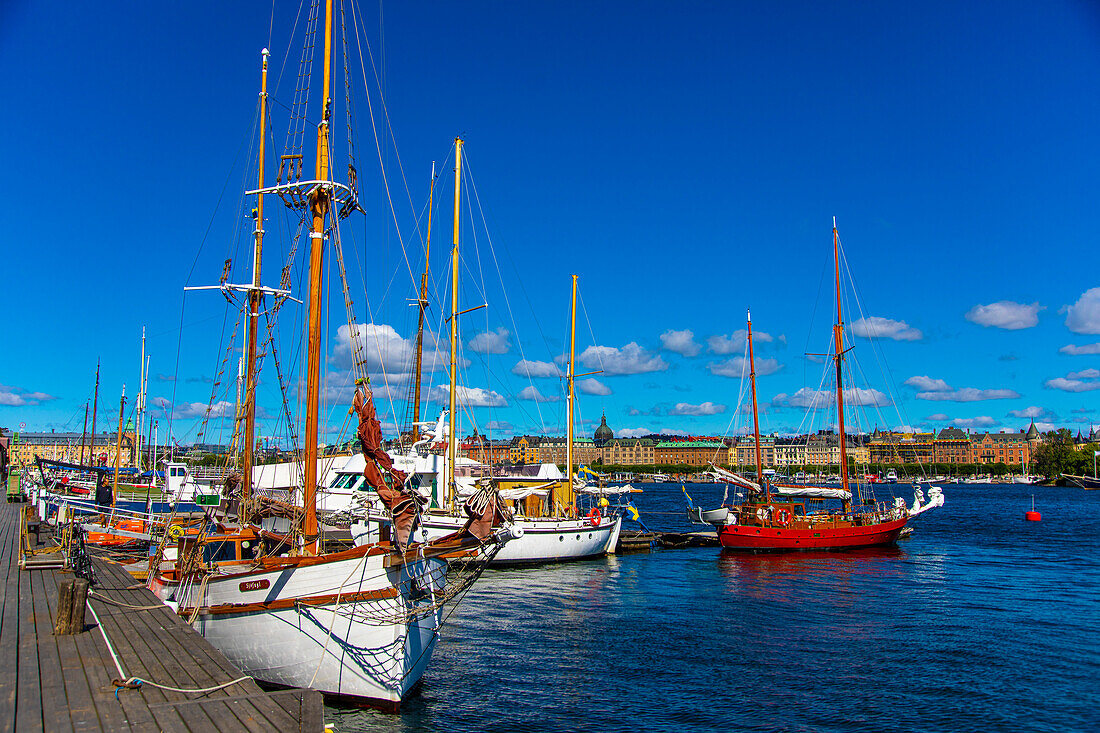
{"x": 54, "y": 683}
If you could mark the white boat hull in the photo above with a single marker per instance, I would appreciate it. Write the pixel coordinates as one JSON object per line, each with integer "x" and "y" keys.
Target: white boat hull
{"x": 542, "y": 540}
{"x": 347, "y": 627}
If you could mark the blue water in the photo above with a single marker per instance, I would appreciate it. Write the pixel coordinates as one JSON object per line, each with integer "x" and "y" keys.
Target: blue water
{"x": 981, "y": 621}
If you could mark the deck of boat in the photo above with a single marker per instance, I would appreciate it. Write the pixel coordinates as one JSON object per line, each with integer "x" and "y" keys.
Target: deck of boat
{"x": 50, "y": 682}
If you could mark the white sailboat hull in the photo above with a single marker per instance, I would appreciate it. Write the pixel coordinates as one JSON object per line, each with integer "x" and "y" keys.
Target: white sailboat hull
{"x": 542, "y": 540}
{"x": 348, "y": 626}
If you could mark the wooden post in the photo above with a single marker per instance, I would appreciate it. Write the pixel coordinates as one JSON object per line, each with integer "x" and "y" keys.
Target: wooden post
{"x": 72, "y": 597}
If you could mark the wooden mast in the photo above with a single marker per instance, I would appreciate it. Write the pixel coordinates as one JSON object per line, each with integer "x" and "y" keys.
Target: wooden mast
{"x": 567, "y": 497}
{"x": 755, "y": 419}
{"x": 95, "y": 407}
{"x": 255, "y": 296}
{"x": 319, "y": 206}
{"x": 838, "y": 344}
{"x": 422, "y": 303}
{"x": 452, "y": 437}
{"x": 118, "y": 444}
{"x": 84, "y": 434}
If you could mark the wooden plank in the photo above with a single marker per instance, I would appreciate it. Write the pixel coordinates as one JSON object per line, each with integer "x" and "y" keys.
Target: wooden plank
{"x": 54, "y": 704}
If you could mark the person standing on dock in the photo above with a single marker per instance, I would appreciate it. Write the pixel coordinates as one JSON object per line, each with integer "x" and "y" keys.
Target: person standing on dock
{"x": 103, "y": 493}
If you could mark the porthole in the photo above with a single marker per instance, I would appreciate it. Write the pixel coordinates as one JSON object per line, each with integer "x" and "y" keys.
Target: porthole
{"x": 561, "y": 538}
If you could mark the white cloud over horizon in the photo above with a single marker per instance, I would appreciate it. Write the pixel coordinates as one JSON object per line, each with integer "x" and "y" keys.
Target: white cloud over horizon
{"x": 467, "y": 396}
{"x": 532, "y": 394}
{"x": 593, "y": 387}
{"x": 705, "y": 408}
{"x": 1006, "y": 314}
{"x": 537, "y": 369}
{"x": 1084, "y": 315}
{"x": 492, "y": 342}
{"x": 877, "y": 327}
{"x": 630, "y": 359}
{"x": 1082, "y": 350}
{"x": 17, "y": 397}
{"x": 680, "y": 342}
{"x": 738, "y": 366}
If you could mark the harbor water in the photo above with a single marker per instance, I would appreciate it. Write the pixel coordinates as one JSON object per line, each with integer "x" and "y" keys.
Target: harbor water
{"x": 980, "y": 621}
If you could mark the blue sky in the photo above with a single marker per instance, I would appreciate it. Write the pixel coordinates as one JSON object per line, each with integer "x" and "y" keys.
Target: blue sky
{"x": 685, "y": 159}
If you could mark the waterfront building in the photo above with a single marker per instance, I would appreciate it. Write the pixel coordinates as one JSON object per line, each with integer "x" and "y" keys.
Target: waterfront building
{"x": 628, "y": 452}
{"x": 1013, "y": 449}
{"x": 99, "y": 450}
{"x": 790, "y": 452}
{"x": 952, "y": 446}
{"x": 689, "y": 452}
{"x": 524, "y": 449}
{"x": 742, "y": 452}
{"x": 891, "y": 447}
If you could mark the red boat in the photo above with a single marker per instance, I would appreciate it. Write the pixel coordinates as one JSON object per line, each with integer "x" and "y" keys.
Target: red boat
{"x": 761, "y": 523}
{"x": 787, "y": 526}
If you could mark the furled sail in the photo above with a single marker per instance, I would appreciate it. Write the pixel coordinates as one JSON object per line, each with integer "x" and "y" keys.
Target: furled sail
{"x": 812, "y": 492}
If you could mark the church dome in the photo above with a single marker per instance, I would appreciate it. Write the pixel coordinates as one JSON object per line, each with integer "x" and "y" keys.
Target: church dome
{"x": 603, "y": 433}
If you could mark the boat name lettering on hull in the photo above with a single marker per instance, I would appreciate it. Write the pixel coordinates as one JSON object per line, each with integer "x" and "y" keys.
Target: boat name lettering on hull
{"x": 255, "y": 584}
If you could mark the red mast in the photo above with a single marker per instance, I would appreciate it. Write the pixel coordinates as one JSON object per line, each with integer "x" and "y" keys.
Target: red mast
{"x": 755, "y": 419}
{"x": 838, "y": 338}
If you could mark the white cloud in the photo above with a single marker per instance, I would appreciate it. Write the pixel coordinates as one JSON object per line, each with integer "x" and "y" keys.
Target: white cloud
{"x": 671, "y": 431}
{"x": 1074, "y": 350}
{"x": 502, "y": 425}
{"x": 680, "y": 342}
{"x": 853, "y": 396}
{"x": 593, "y": 387}
{"x": 388, "y": 353}
{"x": 968, "y": 394}
{"x": 706, "y": 408}
{"x": 927, "y": 384}
{"x": 938, "y": 417}
{"x": 1006, "y": 314}
{"x": 632, "y": 432}
{"x": 16, "y": 397}
{"x": 491, "y": 342}
{"x": 975, "y": 422}
{"x": 468, "y": 396}
{"x": 531, "y": 369}
{"x": 531, "y": 393}
{"x": 1032, "y": 412}
{"x": 1084, "y": 315}
{"x": 738, "y": 366}
{"x": 874, "y": 327}
{"x": 1070, "y": 384}
{"x": 735, "y": 342}
{"x": 1084, "y": 374}
{"x": 189, "y": 410}
{"x": 630, "y": 359}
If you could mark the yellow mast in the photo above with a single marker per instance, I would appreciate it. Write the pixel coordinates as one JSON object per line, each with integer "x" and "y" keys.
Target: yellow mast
{"x": 118, "y": 445}
{"x": 452, "y": 438}
{"x": 422, "y": 303}
{"x": 755, "y": 419}
{"x": 319, "y": 206}
{"x": 255, "y": 295}
{"x": 838, "y": 339}
{"x": 567, "y": 497}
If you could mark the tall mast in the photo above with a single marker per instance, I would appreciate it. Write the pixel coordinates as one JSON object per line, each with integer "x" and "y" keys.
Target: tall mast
{"x": 83, "y": 434}
{"x": 452, "y": 445}
{"x": 755, "y": 419}
{"x": 95, "y": 407}
{"x": 567, "y": 498}
{"x": 422, "y": 303}
{"x": 255, "y": 296}
{"x": 838, "y": 343}
{"x": 118, "y": 444}
{"x": 319, "y": 206}
{"x": 139, "y": 406}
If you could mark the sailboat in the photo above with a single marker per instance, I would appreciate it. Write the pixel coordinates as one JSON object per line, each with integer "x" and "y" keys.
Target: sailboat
{"x": 777, "y": 518}
{"x": 359, "y": 623}
{"x": 549, "y": 520}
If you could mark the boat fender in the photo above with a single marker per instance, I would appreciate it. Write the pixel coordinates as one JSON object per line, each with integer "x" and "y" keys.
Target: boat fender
{"x": 594, "y": 517}
{"x": 783, "y": 517}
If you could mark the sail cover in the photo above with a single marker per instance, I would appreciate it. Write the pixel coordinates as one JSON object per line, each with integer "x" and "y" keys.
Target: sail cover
{"x": 380, "y": 474}
{"x": 812, "y": 492}
{"x": 734, "y": 478}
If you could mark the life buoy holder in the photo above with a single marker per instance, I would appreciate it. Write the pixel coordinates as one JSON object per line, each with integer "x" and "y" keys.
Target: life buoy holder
{"x": 175, "y": 532}
{"x": 783, "y": 517}
{"x": 594, "y": 517}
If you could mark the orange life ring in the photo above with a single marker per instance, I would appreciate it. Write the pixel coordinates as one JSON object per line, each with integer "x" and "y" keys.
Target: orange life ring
{"x": 783, "y": 517}
{"x": 594, "y": 517}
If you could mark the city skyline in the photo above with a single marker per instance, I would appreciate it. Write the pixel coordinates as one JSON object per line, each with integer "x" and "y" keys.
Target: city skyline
{"x": 685, "y": 163}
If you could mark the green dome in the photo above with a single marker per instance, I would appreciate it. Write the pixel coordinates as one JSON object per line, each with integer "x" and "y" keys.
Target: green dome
{"x": 603, "y": 433}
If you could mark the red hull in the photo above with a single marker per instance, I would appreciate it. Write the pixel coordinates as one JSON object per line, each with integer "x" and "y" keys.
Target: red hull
{"x": 737, "y": 537}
